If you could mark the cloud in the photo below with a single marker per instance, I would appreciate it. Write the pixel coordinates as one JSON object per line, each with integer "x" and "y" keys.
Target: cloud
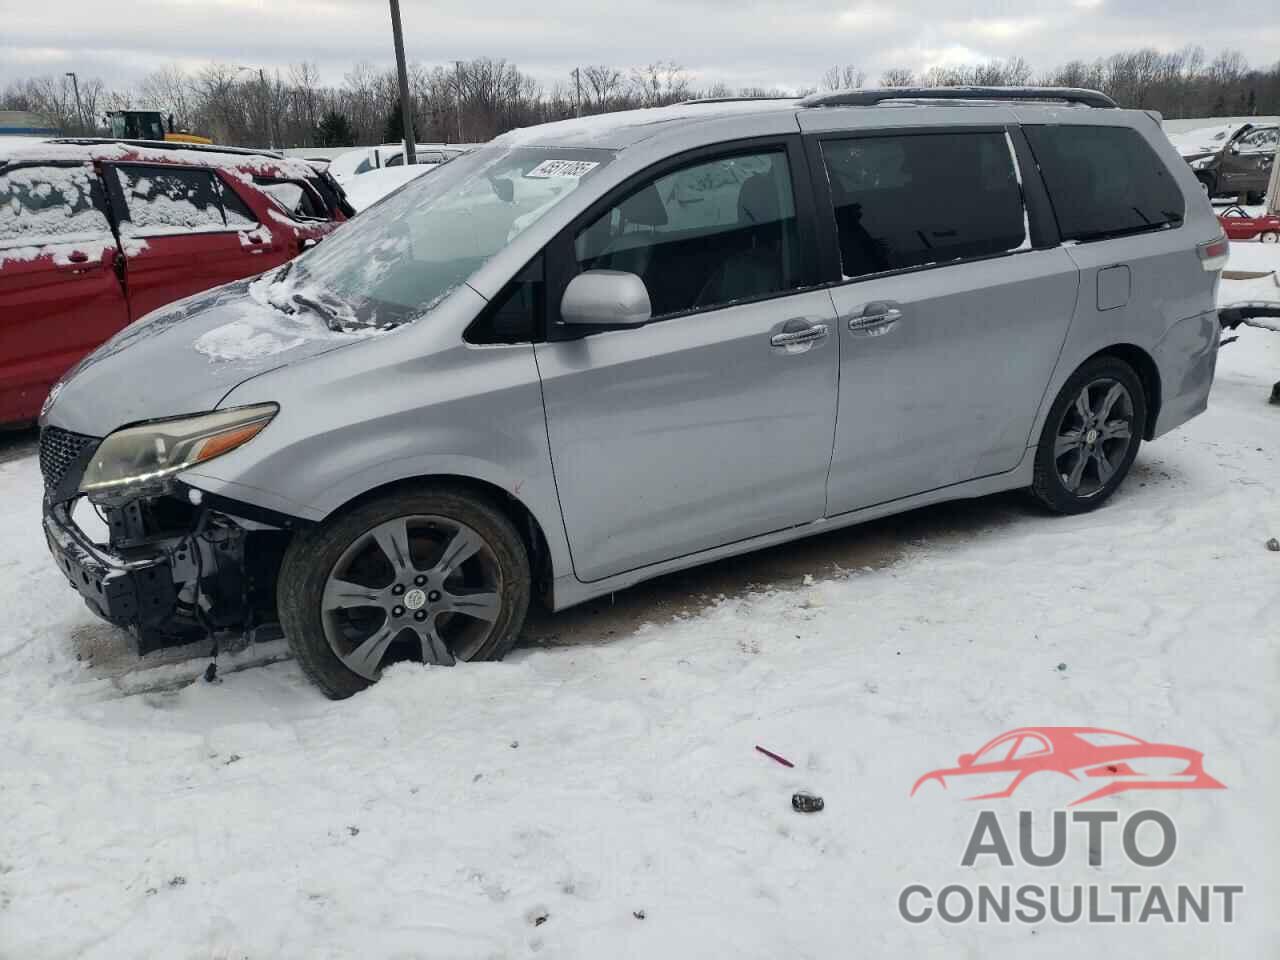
{"x": 768, "y": 43}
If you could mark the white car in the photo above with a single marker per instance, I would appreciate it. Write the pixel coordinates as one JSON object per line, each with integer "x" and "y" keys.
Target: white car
{"x": 362, "y": 160}
{"x": 368, "y": 188}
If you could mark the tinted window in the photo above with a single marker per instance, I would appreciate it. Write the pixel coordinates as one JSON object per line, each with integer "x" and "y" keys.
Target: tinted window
{"x": 44, "y": 204}
{"x": 169, "y": 200}
{"x": 703, "y": 236}
{"x": 1104, "y": 181}
{"x": 908, "y": 201}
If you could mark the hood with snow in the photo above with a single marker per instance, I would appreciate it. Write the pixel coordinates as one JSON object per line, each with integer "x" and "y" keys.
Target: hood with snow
{"x": 185, "y": 358}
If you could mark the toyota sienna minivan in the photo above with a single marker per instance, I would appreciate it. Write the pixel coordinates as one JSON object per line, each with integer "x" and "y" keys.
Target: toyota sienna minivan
{"x": 592, "y": 352}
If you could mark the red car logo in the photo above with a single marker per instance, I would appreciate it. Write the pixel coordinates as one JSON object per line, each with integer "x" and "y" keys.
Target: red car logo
{"x": 1089, "y": 755}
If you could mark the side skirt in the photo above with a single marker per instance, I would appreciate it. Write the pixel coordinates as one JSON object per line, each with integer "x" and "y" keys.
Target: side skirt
{"x": 568, "y": 591}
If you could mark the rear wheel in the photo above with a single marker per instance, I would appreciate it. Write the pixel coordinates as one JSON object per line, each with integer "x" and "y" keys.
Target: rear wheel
{"x": 1254, "y": 197}
{"x": 1090, "y": 437}
{"x": 435, "y": 575}
{"x": 1207, "y": 183}
{"x": 1270, "y": 236}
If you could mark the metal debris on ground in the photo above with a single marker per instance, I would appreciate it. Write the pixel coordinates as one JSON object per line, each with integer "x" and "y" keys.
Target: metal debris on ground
{"x": 773, "y": 756}
{"x": 806, "y": 803}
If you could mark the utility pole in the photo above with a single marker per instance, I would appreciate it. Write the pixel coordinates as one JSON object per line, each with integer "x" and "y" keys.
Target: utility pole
{"x": 1273, "y": 186}
{"x": 577, "y": 85}
{"x": 406, "y": 107}
{"x": 457, "y": 86}
{"x": 75, "y": 85}
{"x": 268, "y": 115}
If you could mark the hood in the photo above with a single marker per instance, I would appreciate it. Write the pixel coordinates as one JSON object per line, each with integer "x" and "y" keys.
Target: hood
{"x": 185, "y": 358}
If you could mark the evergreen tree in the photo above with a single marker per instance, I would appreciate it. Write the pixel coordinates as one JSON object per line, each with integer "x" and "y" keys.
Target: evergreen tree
{"x": 334, "y": 130}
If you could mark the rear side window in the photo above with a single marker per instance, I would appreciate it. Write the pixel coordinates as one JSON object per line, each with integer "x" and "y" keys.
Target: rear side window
{"x": 51, "y": 204}
{"x": 162, "y": 200}
{"x": 911, "y": 201}
{"x": 1104, "y": 181}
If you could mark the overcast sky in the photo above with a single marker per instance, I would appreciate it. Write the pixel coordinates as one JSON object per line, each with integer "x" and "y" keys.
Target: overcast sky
{"x": 740, "y": 42}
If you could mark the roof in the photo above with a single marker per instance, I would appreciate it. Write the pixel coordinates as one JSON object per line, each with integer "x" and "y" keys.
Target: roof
{"x": 224, "y": 158}
{"x": 623, "y": 129}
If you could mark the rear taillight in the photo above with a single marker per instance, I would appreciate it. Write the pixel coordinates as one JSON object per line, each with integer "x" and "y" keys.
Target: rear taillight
{"x": 1214, "y": 254}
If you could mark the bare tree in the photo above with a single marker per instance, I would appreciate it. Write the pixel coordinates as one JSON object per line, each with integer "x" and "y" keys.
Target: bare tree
{"x": 898, "y": 77}
{"x": 604, "y": 84}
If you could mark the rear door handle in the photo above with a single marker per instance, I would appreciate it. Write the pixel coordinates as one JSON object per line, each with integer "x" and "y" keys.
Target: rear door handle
{"x": 798, "y": 337}
{"x": 875, "y": 318}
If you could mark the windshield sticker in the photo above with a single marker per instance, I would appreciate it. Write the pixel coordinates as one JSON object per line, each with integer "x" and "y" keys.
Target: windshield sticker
{"x": 562, "y": 168}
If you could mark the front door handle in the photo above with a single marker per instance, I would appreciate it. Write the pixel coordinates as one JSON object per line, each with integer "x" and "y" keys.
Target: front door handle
{"x": 875, "y": 318}
{"x": 799, "y": 337}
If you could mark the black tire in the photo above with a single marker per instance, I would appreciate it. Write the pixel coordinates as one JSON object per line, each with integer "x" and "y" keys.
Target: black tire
{"x": 314, "y": 553}
{"x": 1050, "y": 485}
{"x": 1255, "y": 197}
{"x": 1209, "y": 183}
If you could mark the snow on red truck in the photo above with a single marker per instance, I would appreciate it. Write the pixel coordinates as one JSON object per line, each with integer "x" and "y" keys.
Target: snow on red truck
{"x": 96, "y": 234}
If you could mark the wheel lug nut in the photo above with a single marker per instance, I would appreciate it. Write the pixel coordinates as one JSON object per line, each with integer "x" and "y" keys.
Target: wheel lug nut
{"x": 398, "y": 589}
{"x": 433, "y": 596}
{"x": 420, "y": 615}
{"x": 419, "y": 580}
{"x": 397, "y": 611}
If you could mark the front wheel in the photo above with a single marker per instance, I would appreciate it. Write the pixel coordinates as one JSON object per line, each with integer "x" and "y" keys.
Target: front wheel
{"x": 434, "y": 575}
{"x": 1090, "y": 437}
{"x": 1270, "y": 236}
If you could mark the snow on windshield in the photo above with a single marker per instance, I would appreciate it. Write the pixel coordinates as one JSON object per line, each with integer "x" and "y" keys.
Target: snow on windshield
{"x": 394, "y": 263}
{"x": 275, "y": 318}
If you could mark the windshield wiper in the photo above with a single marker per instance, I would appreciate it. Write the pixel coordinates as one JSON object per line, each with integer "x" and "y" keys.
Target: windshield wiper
{"x": 315, "y": 306}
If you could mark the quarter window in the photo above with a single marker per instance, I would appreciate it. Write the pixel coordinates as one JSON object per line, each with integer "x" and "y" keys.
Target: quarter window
{"x": 1260, "y": 141}
{"x": 703, "y": 236}
{"x": 910, "y": 201}
{"x": 1104, "y": 181}
{"x": 50, "y": 204}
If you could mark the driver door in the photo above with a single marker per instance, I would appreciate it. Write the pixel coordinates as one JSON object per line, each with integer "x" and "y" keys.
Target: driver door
{"x": 701, "y": 427}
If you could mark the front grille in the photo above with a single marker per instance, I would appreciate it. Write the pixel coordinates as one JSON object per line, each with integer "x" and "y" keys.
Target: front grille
{"x": 60, "y": 451}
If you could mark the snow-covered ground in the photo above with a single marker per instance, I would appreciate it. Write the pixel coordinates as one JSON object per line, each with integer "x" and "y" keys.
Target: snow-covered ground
{"x": 598, "y": 794}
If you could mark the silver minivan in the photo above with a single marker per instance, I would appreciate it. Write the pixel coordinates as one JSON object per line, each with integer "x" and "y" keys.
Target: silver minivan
{"x": 592, "y": 352}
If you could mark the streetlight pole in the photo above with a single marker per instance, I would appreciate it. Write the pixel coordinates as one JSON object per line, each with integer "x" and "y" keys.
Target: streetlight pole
{"x": 75, "y": 85}
{"x": 406, "y": 107}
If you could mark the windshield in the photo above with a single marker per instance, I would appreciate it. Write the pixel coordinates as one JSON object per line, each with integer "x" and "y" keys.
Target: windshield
{"x": 402, "y": 256}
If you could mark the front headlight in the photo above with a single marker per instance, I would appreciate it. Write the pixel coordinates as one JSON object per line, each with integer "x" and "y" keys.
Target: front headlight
{"x": 153, "y": 451}
{"x": 1202, "y": 162}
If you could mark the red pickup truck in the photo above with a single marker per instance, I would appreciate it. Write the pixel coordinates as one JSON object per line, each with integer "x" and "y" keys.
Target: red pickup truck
{"x": 95, "y": 234}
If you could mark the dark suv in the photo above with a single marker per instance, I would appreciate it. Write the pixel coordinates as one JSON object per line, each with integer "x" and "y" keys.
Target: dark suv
{"x": 1242, "y": 165}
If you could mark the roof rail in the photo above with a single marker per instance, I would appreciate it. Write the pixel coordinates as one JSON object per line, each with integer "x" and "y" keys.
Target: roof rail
{"x": 169, "y": 145}
{"x": 742, "y": 99}
{"x": 871, "y": 97}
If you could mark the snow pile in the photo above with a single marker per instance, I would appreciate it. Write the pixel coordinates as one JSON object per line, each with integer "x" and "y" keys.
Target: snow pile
{"x": 599, "y": 794}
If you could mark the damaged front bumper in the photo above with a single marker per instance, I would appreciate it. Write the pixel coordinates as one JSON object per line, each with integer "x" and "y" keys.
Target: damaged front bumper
{"x": 177, "y": 566}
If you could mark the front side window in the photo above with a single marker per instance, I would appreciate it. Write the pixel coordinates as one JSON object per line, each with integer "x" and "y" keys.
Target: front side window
{"x": 1104, "y": 181}
{"x": 911, "y": 201}
{"x": 165, "y": 200}
{"x": 1030, "y": 747}
{"x": 1260, "y": 141}
{"x": 396, "y": 261}
{"x": 41, "y": 205}
{"x": 703, "y": 236}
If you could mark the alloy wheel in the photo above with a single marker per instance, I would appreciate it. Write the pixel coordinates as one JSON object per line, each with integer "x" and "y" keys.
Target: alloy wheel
{"x": 420, "y": 587}
{"x": 1094, "y": 437}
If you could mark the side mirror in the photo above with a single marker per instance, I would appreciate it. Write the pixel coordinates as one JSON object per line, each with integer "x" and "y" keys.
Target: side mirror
{"x": 966, "y": 760}
{"x": 607, "y": 298}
